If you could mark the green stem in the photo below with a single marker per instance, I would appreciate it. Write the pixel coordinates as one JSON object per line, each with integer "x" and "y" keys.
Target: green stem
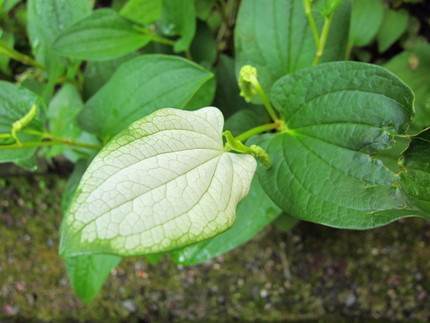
{"x": 12, "y": 53}
{"x": 255, "y": 131}
{"x": 64, "y": 79}
{"x": 264, "y": 98}
{"x": 155, "y": 37}
{"x": 348, "y": 51}
{"x": 162, "y": 40}
{"x": 48, "y": 143}
{"x": 188, "y": 54}
{"x": 323, "y": 39}
{"x": 53, "y": 140}
{"x": 308, "y": 11}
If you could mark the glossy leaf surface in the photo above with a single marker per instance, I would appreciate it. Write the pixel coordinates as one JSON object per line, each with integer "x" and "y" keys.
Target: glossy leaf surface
{"x": 413, "y": 67}
{"x": 101, "y": 36}
{"x": 366, "y": 19}
{"x": 140, "y": 87}
{"x": 393, "y": 26}
{"x": 46, "y": 20}
{"x": 142, "y": 11}
{"x": 179, "y": 18}
{"x": 337, "y": 115}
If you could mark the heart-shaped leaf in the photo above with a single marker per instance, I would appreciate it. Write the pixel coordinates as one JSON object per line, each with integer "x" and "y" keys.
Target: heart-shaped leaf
{"x": 163, "y": 183}
{"x": 336, "y": 116}
{"x": 88, "y": 273}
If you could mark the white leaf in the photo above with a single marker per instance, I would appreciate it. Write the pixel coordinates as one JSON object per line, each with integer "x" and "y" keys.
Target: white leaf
{"x": 162, "y": 183}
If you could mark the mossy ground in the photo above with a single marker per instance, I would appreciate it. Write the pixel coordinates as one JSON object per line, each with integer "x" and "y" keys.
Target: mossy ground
{"x": 310, "y": 273}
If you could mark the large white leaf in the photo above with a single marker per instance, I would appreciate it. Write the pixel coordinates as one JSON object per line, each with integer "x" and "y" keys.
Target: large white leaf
{"x": 164, "y": 182}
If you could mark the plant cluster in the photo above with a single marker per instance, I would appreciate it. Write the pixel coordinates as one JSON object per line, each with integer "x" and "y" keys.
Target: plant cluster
{"x": 128, "y": 94}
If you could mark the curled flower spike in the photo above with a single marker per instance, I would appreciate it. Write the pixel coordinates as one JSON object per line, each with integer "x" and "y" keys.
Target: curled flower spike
{"x": 261, "y": 155}
{"x": 23, "y": 122}
{"x": 247, "y": 78}
{"x": 255, "y": 151}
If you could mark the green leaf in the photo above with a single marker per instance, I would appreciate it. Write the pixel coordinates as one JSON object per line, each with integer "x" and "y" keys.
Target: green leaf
{"x": 179, "y": 18}
{"x": 413, "y": 67}
{"x": 337, "y": 116}
{"x": 101, "y": 36}
{"x": 97, "y": 73}
{"x": 15, "y": 103}
{"x": 46, "y": 19}
{"x": 203, "y": 48}
{"x": 163, "y": 183}
{"x": 203, "y": 8}
{"x": 203, "y": 97}
{"x": 8, "y": 39}
{"x": 73, "y": 182}
{"x": 62, "y": 113}
{"x": 254, "y": 212}
{"x": 366, "y": 20}
{"x": 142, "y": 11}
{"x": 7, "y": 5}
{"x": 415, "y": 179}
{"x": 275, "y": 37}
{"x": 62, "y": 117}
{"x": 285, "y": 223}
{"x": 88, "y": 273}
{"x": 140, "y": 87}
{"x": 393, "y": 26}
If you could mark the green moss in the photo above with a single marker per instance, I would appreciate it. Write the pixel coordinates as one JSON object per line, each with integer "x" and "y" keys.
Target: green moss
{"x": 313, "y": 272}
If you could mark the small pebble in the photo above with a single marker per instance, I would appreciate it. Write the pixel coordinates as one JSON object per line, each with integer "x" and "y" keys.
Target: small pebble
{"x": 129, "y": 305}
{"x": 350, "y": 300}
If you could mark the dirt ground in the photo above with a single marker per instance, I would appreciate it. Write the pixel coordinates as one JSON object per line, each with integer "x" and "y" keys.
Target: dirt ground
{"x": 313, "y": 273}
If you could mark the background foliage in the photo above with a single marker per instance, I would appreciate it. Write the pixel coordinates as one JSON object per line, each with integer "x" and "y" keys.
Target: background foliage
{"x": 92, "y": 68}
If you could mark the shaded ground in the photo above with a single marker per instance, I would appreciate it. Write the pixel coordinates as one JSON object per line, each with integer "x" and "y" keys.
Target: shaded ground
{"x": 313, "y": 272}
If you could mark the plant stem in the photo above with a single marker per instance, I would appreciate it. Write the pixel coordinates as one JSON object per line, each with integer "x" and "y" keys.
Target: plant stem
{"x": 264, "y": 98}
{"x": 255, "y": 131}
{"x": 162, "y": 40}
{"x": 52, "y": 140}
{"x": 308, "y": 11}
{"x": 188, "y": 54}
{"x": 12, "y": 53}
{"x": 71, "y": 142}
{"x": 349, "y": 50}
{"x": 323, "y": 39}
{"x": 48, "y": 143}
{"x": 155, "y": 37}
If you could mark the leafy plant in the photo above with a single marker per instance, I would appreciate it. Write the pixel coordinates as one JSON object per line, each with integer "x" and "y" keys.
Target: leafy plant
{"x": 125, "y": 93}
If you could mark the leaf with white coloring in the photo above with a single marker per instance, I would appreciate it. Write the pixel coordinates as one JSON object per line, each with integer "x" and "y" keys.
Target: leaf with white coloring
{"x": 163, "y": 183}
